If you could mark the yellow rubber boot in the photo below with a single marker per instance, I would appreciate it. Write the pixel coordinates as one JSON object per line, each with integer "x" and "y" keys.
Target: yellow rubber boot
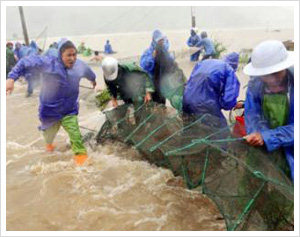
{"x": 80, "y": 159}
{"x": 50, "y": 147}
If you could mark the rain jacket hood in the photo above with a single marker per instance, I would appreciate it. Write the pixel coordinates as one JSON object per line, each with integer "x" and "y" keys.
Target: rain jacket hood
{"x": 147, "y": 60}
{"x": 232, "y": 59}
{"x": 60, "y": 86}
{"x": 212, "y": 86}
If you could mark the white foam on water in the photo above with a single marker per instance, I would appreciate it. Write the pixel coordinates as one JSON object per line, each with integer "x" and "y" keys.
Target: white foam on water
{"x": 53, "y": 167}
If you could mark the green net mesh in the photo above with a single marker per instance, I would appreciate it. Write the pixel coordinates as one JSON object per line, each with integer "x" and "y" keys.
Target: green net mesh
{"x": 250, "y": 187}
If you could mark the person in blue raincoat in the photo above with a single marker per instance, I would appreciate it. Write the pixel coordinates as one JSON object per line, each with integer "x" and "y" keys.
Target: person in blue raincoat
{"x": 52, "y": 51}
{"x": 192, "y": 42}
{"x": 269, "y": 105}
{"x": 148, "y": 57}
{"x": 17, "y": 51}
{"x": 59, "y": 93}
{"x": 107, "y": 48}
{"x": 207, "y": 45}
{"x": 212, "y": 86}
{"x": 32, "y": 77}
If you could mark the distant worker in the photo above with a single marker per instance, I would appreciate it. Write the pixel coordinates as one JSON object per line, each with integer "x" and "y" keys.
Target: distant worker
{"x": 128, "y": 81}
{"x": 17, "y": 51}
{"x": 208, "y": 46}
{"x": 97, "y": 57}
{"x": 59, "y": 93}
{"x": 148, "y": 57}
{"x": 192, "y": 42}
{"x": 108, "y": 48}
{"x": 10, "y": 57}
{"x": 32, "y": 77}
{"x": 269, "y": 105}
{"x": 52, "y": 51}
{"x": 213, "y": 86}
{"x": 81, "y": 48}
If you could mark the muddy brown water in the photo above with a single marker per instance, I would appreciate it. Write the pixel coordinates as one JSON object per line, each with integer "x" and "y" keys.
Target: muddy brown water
{"x": 115, "y": 190}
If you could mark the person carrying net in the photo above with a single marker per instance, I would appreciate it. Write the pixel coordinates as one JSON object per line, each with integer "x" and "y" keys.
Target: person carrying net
{"x": 126, "y": 81}
{"x": 213, "y": 86}
{"x": 192, "y": 41}
{"x": 269, "y": 105}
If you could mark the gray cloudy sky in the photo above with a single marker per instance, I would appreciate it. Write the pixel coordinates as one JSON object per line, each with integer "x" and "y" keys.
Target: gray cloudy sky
{"x": 66, "y": 21}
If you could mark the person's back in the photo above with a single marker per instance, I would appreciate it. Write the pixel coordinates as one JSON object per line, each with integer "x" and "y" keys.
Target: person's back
{"x": 208, "y": 46}
{"x": 108, "y": 48}
{"x": 127, "y": 81}
{"x": 52, "y": 52}
{"x": 212, "y": 86}
{"x": 131, "y": 82}
{"x": 192, "y": 42}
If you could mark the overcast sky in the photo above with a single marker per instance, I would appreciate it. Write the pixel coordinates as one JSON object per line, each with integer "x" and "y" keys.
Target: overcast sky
{"x": 66, "y": 21}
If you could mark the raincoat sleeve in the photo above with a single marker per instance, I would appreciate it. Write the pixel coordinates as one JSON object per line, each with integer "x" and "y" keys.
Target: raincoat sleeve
{"x": 189, "y": 42}
{"x": 255, "y": 122}
{"x": 89, "y": 74}
{"x": 282, "y": 136}
{"x": 149, "y": 84}
{"x": 231, "y": 90}
{"x": 112, "y": 89}
{"x": 148, "y": 61}
{"x": 200, "y": 43}
{"x": 25, "y": 64}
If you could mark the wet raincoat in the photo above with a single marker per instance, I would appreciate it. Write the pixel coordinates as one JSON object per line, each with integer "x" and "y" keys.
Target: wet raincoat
{"x": 208, "y": 46}
{"x": 52, "y": 52}
{"x": 131, "y": 84}
{"x": 212, "y": 86}
{"x": 32, "y": 49}
{"x": 60, "y": 86}
{"x": 108, "y": 48}
{"x": 147, "y": 60}
{"x": 280, "y": 137}
{"x": 192, "y": 41}
{"x": 17, "y": 50}
{"x": 168, "y": 79}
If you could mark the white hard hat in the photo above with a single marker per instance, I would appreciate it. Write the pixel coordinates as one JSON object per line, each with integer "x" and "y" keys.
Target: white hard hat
{"x": 110, "y": 68}
{"x": 269, "y": 57}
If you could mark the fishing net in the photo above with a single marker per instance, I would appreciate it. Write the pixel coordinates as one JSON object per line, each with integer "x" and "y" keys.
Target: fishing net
{"x": 250, "y": 187}
{"x": 169, "y": 79}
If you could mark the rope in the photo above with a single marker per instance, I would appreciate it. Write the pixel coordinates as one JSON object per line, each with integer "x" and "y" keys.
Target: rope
{"x": 153, "y": 148}
{"x": 154, "y": 131}
{"x": 248, "y": 207}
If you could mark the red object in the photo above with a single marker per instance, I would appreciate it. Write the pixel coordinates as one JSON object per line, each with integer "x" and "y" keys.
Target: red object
{"x": 239, "y": 129}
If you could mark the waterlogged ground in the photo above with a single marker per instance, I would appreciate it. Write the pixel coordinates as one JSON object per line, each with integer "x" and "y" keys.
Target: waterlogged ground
{"x": 115, "y": 190}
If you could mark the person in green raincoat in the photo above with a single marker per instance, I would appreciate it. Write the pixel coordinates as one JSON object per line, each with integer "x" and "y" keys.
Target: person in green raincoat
{"x": 10, "y": 57}
{"x": 127, "y": 81}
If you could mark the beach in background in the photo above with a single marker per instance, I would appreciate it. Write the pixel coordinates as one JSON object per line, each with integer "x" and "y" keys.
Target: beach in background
{"x": 118, "y": 189}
